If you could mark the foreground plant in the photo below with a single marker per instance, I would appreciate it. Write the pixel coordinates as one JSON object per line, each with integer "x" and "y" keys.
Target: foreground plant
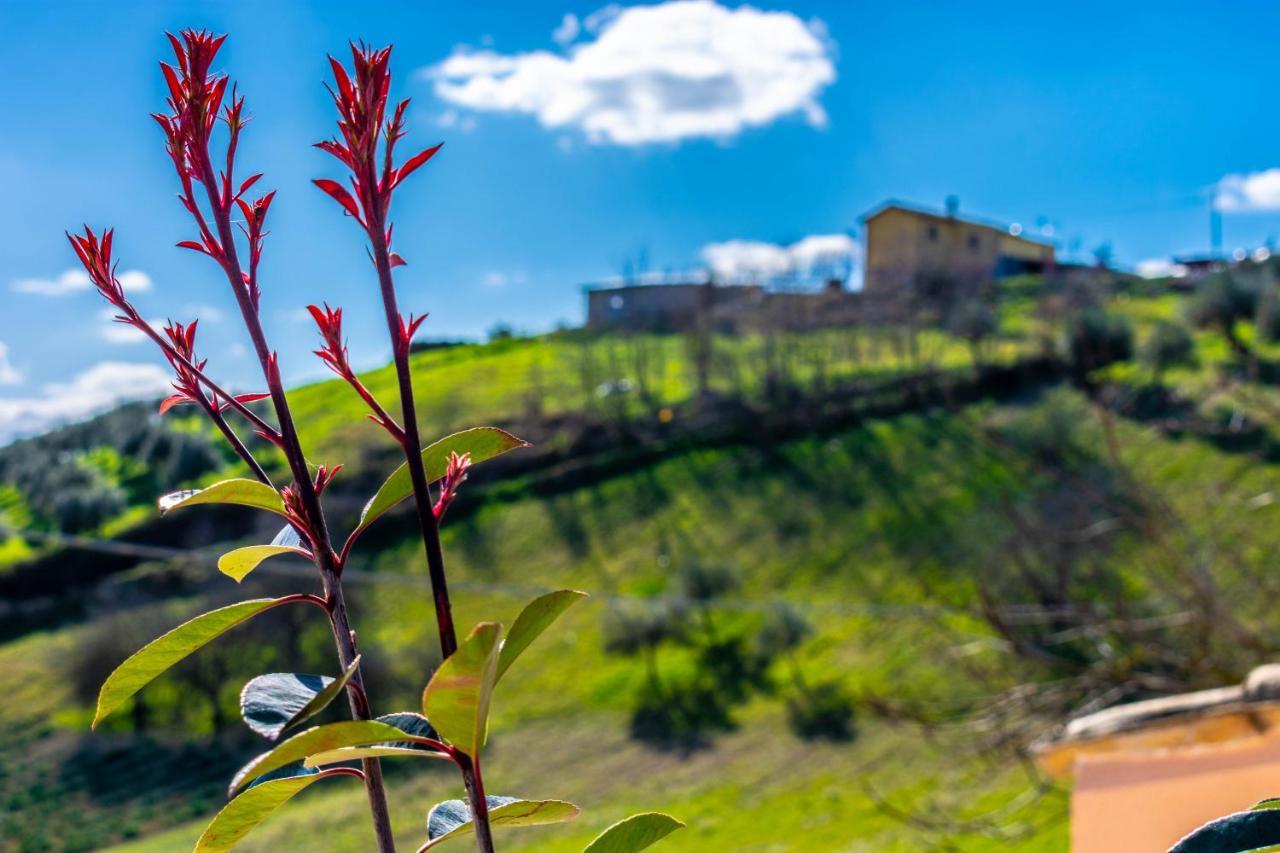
{"x": 1256, "y": 828}
{"x": 452, "y": 724}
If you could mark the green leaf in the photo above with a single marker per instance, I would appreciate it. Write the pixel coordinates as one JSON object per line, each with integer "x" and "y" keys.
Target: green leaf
{"x": 1247, "y": 830}
{"x": 238, "y": 563}
{"x": 634, "y": 833}
{"x": 163, "y": 652}
{"x": 314, "y": 741}
{"x": 452, "y": 818}
{"x": 483, "y": 443}
{"x": 456, "y": 700}
{"x": 239, "y": 491}
{"x": 277, "y": 701}
{"x": 406, "y": 722}
{"x": 410, "y": 723}
{"x": 354, "y": 753}
{"x": 536, "y": 617}
{"x": 240, "y": 816}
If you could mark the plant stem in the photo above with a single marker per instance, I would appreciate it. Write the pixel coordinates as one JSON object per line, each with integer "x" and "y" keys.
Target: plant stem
{"x": 412, "y": 445}
{"x": 325, "y": 559}
{"x": 236, "y": 444}
{"x": 199, "y": 374}
{"x": 479, "y": 803}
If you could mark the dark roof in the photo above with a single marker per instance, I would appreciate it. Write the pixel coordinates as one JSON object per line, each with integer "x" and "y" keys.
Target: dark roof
{"x": 918, "y": 210}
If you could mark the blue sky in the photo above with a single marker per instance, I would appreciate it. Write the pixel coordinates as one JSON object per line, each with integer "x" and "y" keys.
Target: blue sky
{"x": 576, "y": 146}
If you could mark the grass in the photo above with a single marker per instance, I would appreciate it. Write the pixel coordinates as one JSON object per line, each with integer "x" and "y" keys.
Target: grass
{"x": 825, "y": 523}
{"x": 468, "y": 385}
{"x": 842, "y": 526}
{"x": 865, "y": 531}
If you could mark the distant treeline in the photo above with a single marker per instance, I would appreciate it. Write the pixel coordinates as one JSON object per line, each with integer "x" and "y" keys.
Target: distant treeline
{"x": 77, "y": 477}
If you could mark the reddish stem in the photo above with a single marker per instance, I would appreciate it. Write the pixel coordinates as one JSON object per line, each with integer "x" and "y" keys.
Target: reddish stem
{"x": 412, "y": 442}
{"x": 325, "y": 558}
{"x": 142, "y": 325}
{"x": 340, "y": 771}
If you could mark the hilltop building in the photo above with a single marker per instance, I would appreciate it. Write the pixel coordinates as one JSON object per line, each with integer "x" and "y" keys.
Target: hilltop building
{"x": 681, "y": 305}
{"x": 907, "y": 247}
{"x": 664, "y": 306}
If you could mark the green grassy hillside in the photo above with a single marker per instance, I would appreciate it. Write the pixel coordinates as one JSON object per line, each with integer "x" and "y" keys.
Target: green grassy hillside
{"x": 819, "y": 523}
{"x": 884, "y": 537}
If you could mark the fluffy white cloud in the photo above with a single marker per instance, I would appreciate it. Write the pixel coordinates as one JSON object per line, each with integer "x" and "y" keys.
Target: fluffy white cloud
{"x": 661, "y": 73}
{"x": 567, "y": 31}
{"x": 756, "y": 261}
{"x": 1254, "y": 191}
{"x": 1160, "y": 268}
{"x": 9, "y": 375}
{"x": 100, "y": 387}
{"x": 75, "y": 280}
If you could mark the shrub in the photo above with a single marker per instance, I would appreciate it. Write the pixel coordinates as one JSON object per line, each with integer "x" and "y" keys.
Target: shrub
{"x": 1096, "y": 339}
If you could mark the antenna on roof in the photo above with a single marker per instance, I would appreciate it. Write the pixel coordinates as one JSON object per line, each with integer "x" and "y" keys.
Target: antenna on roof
{"x": 953, "y": 205}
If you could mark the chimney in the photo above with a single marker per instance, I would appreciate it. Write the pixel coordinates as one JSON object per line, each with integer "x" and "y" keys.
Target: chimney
{"x": 952, "y": 205}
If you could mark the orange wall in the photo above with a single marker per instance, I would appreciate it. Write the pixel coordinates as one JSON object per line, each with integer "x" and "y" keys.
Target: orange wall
{"x": 1140, "y": 802}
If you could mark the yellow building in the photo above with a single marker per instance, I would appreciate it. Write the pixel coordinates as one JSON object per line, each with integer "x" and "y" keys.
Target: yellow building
{"x": 907, "y": 247}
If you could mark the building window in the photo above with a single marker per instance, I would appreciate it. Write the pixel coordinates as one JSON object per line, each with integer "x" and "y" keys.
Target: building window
{"x": 974, "y": 242}
{"x": 933, "y": 233}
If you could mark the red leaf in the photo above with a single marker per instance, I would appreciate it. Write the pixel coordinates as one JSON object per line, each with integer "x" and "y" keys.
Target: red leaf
{"x": 340, "y": 76}
{"x": 337, "y": 150}
{"x": 194, "y": 246}
{"x": 174, "y": 400}
{"x": 340, "y": 195}
{"x": 397, "y": 261}
{"x": 248, "y": 182}
{"x": 251, "y": 398}
{"x": 175, "y": 85}
{"x": 415, "y": 161}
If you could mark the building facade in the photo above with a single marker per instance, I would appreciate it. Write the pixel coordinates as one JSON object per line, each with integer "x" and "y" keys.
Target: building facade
{"x": 674, "y": 307}
{"x": 911, "y": 248}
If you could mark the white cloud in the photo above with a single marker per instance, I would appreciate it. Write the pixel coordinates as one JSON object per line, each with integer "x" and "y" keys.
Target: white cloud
{"x": 75, "y": 280}
{"x": 452, "y": 119}
{"x": 100, "y": 387}
{"x": 1160, "y": 268}
{"x": 757, "y": 261}
{"x": 295, "y": 315}
{"x": 821, "y": 250}
{"x": 114, "y": 332}
{"x": 661, "y": 73}
{"x": 9, "y": 375}
{"x": 206, "y": 314}
{"x": 1254, "y": 191}
{"x": 134, "y": 281}
{"x": 69, "y": 282}
{"x": 745, "y": 258}
{"x": 498, "y": 278}
{"x": 567, "y": 31}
